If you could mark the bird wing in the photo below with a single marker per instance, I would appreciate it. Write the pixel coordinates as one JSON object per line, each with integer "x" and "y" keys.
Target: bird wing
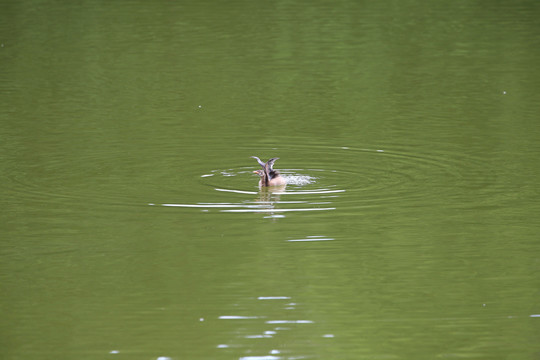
{"x": 259, "y": 161}
{"x": 270, "y": 163}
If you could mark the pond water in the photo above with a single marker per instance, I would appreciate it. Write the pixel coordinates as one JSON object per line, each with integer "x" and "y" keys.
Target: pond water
{"x": 132, "y": 226}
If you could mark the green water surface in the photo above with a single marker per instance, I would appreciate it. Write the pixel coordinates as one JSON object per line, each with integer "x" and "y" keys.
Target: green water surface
{"x": 132, "y": 226}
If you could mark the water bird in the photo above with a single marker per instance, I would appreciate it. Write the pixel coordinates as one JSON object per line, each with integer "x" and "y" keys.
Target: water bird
{"x": 269, "y": 176}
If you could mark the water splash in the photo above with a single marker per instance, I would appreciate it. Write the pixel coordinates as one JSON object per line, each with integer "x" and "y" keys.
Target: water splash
{"x": 300, "y": 180}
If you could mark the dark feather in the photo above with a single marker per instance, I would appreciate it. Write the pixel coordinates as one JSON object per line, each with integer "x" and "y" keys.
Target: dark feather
{"x": 271, "y": 162}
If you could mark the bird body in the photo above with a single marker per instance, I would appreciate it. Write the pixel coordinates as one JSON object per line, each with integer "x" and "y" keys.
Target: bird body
{"x": 269, "y": 176}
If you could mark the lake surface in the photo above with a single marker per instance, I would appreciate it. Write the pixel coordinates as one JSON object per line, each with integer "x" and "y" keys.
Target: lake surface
{"x": 132, "y": 226}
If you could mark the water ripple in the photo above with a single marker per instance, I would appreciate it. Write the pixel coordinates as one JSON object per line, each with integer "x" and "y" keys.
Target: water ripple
{"x": 275, "y": 317}
{"x": 343, "y": 178}
{"x": 380, "y": 177}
